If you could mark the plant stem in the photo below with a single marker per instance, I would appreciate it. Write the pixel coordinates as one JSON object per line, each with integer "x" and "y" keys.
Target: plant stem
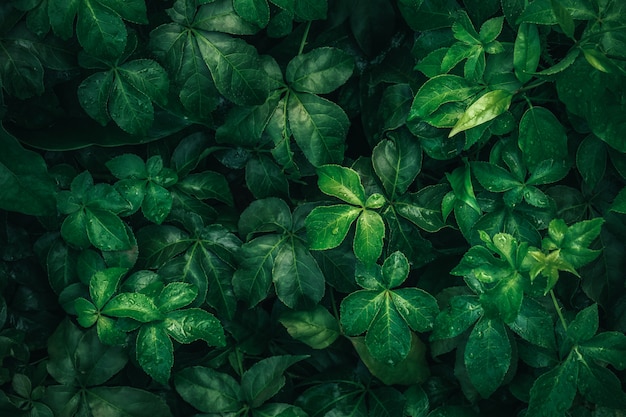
{"x": 306, "y": 34}
{"x": 558, "y": 309}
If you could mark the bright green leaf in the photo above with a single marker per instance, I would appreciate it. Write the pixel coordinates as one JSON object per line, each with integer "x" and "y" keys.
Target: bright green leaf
{"x": 189, "y": 325}
{"x": 487, "y": 107}
{"x": 317, "y": 327}
{"x": 369, "y": 236}
{"x": 327, "y": 226}
{"x": 319, "y": 71}
{"x": 136, "y": 306}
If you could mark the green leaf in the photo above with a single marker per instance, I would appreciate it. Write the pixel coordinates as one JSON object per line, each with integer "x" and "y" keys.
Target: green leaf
{"x": 563, "y": 18}
{"x": 600, "y": 386}
{"x": 265, "y": 378}
{"x": 417, "y": 308}
{"x": 105, "y": 230}
{"x": 264, "y": 178}
{"x": 298, "y": 279}
{"x": 591, "y": 159}
{"x": 488, "y": 355}
{"x": 265, "y": 215}
{"x": 397, "y": 162}
{"x": 358, "y": 310}
{"x": 424, "y": 207}
{"x": 103, "y": 284}
{"x": 207, "y": 185}
{"x": 526, "y": 52}
{"x": 235, "y": 68}
{"x": 487, "y": 107}
{"x": 100, "y": 30}
{"x": 553, "y": 392}
{"x": 438, "y": 91}
{"x": 461, "y": 182}
{"x": 254, "y": 11}
{"x": 327, "y": 226}
{"x": 126, "y": 401}
{"x": 410, "y": 371}
{"x": 388, "y": 338}
{"x": 208, "y": 391}
{"x": 369, "y": 236}
{"x": 96, "y": 362}
{"x": 491, "y": 29}
{"x": 607, "y": 347}
{"x": 341, "y": 182}
{"x": 253, "y": 278}
{"x": 93, "y": 95}
{"x": 86, "y": 311}
{"x": 320, "y": 71}
{"x": 461, "y": 313}
{"x": 319, "y": 127}
{"x": 537, "y": 124}
{"x": 534, "y": 324}
{"x": 136, "y": 306}
{"x": 25, "y": 184}
{"x": 127, "y": 165}
{"x": 155, "y": 352}
{"x": 157, "y": 203}
{"x": 316, "y": 328}
{"x": 161, "y": 243}
{"x": 175, "y": 295}
{"x": 395, "y": 270}
{"x": 585, "y": 325}
{"x": 189, "y": 325}
{"x": 493, "y": 177}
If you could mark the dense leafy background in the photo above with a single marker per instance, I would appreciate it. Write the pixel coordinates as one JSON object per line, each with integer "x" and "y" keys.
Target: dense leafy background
{"x": 312, "y": 208}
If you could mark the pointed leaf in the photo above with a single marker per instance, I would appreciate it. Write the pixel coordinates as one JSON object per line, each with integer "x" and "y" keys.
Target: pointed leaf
{"x": 388, "y": 338}
{"x": 397, "y": 162}
{"x": 175, "y": 295}
{"x": 537, "y": 124}
{"x": 319, "y": 127}
{"x": 136, "y": 306}
{"x": 488, "y": 355}
{"x": 100, "y": 30}
{"x": 207, "y": 390}
{"x": 438, "y": 91}
{"x": 103, "y": 284}
{"x": 319, "y": 71}
{"x": 327, "y": 226}
{"x": 265, "y": 378}
{"x": 341, "y": 182}
{"x": 235, "y": 68}
{"x": 463, "y": 311}
{"x": 553, "y": 392}
{"x": 187, "y": 326}
{"x": 155, "y": 352}
{"x": 526, "y": 51}
{"x": 369, "y": 236}
{"x": 126, "y": 401}
{"x": 359, "y": 309}
{"x": 316, "y": 328}
{"x": 298, "y": 279}
{"x": 489, "y": 106}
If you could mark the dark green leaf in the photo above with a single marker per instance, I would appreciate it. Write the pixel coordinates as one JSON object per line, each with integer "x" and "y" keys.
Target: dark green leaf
{"x": 488, "y": 355}
{"x": 397, "y": 162}
{"x": 359, "y": 309}
{"x": 207, "y": 185}
{"x": 417, "y": 308}
{"x": 224, "y": 16}
{"x": 591, "y": 159}
{"x": 266, "y": 179}
{"x": 534, "y": 324}
{"x": 265, "y": 378}
{"x": 266, "y": 215}
{"x": 319, "y": 127}
{"x": 126, "y": 401}
{"x": 209, "y": 391}
{"x": 319, "y": 71}
{"x": 463, "y": 311}
{"x": 176, "y": 295}
{"x": 536, "y": 124}
{"x": 494, "y": 178}
{"x": 100, "y": 30}
{"x": 235, "y": 68}
{"x": 298, "y": 279}
{"x": 317, "y": 327}
{"x": 424, "y": 207}
{"x": 161, "y": 243}
{"x": 608, "y": 347}
{"x": 553, "y": 392}
{"x": 253, "y": 277}
{"x": 24, "y": 180}
{"x": 155, "y": 352}
{"x": 388, "y": 338}
{"x": 21, "y": 71}
{"x": 585, "y": 325}
{"x": 438, "y": 91}
{"x": 254, "y": 11}
{"x": 103, "y": 284}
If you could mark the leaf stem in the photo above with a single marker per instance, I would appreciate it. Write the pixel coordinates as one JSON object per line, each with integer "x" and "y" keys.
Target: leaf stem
{"x": 558, "y": 309}
{"x": 306, "y": 34}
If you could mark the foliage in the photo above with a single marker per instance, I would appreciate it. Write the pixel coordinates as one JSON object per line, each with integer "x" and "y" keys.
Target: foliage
{"x": 312, "y": 208}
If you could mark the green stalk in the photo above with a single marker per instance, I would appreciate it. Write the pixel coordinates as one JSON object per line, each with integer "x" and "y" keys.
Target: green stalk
{"x": 558, "y": 309}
